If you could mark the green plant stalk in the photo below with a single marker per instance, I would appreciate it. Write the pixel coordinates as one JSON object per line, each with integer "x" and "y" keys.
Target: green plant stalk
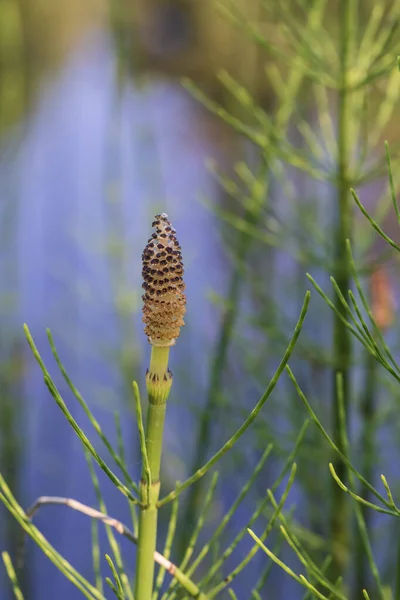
{"x": 368, "y": 436}
{"x": 396, "y": 595}
{"x": 12, "y": 576}
{"x": 360, "y": 518}
{"x": 158, "y": 382}
{"x": 342, "y": 340}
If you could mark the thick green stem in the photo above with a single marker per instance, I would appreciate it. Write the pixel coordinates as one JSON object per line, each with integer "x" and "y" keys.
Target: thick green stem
{"x": 342, "y": 341}
{"x": 158, "y": 381}
{"x": 146, "y": 548}
{"x": 154, "y": 437}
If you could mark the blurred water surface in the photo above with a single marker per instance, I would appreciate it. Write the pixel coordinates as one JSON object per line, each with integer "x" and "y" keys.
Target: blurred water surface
{"x": 89, "y": 171}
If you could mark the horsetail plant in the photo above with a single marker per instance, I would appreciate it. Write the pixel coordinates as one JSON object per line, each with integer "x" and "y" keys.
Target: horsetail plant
{"x": 164, "y": 309}
{"x": 164, "y": 305}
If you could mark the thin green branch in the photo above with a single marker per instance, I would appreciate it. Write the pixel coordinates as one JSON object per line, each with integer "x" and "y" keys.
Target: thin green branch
{"x": 235, "y": 572}
{"x": 86, "y": 588}
{"x": 359, "y": 499}
{"x": 118, "y": 587}
{"x": 142, "y": 438}
{"x": 12, "y": 576}
{"x": 391, "y": 183}
{"x": 96, "y": 557}
{"x": 305, "y": 559}
{"x": 89, "y": 414}
{"x": 81, "y": 435}
{"x": 342, "y": 456}
{"x": 227, "y": 517}
{"x": 116, "y": 550}
{"x": 167, "y": 548}
{"x": 122, "y": 454}
{"x": 200, "y": 522}
{"x": 374, "y": 224}
{"x": 359, "y": 513}
{"x": 288, "y": 465}
{"x": 299, "y": 578}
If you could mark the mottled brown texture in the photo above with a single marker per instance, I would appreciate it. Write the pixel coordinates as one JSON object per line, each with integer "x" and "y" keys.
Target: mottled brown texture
{"x": 382, "y": 298}
{"x": 164, "y": 301}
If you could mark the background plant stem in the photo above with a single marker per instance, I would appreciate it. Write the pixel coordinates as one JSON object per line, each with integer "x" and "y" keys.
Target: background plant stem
{"x": 367, "y": 453}
{"x": 342, "y": 342}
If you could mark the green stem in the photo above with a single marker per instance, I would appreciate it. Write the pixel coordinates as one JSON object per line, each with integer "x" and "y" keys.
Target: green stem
{"x": 397, "y": 579}
{"x": 154, "y": 437}
{"x": 342, "y": 341}
{"x": 145, "y": 554}
{"x": 158, "y": 380}
{"x": 367, "y": 453}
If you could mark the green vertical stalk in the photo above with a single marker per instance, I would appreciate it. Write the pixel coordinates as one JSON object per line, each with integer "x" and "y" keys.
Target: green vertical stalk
{"x": 158, "y": 381}
{"x": 397, "y": 578}
{"x": 367, "y": 454}
{"x": 342, "y": 341}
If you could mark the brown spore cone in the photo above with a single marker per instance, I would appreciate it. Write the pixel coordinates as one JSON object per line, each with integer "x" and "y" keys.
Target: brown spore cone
{"x": 164, "y": 300}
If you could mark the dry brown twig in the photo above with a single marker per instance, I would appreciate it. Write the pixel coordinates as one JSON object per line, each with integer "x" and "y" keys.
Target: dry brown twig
{"x": 106, "y": 519}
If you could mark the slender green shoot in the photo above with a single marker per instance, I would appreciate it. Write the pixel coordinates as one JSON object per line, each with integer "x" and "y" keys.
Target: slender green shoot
{"x": 142, "y": 438}
{"x": 96, "y": 557}
{"x": 299, "y": 578}
{"x": 111, "y": 585}
{"x": 262, "y": 581}
{"x": 222, "y": 557}
{"x": 79, "y": 432}
{"x": 230, "y": 577}
{"x": 118, "y": 585}
{"x": 325, "y": 434}
{"x": 116, "y": 550}
{"x": 358, "y": 512}
{"x": 288, "y": 466}
{"x": 86, "y": 588}
{"x": 122, "y": 454}
{"x": 391, "y": 183}
{"x": 305, "y": 559}
{"x": 12, "y": 576}
{"x": 200, "y": 522}
{"x": 227, "y": 517}
{"x": 374, "y": 224}
{"x": 92, "y": 419}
